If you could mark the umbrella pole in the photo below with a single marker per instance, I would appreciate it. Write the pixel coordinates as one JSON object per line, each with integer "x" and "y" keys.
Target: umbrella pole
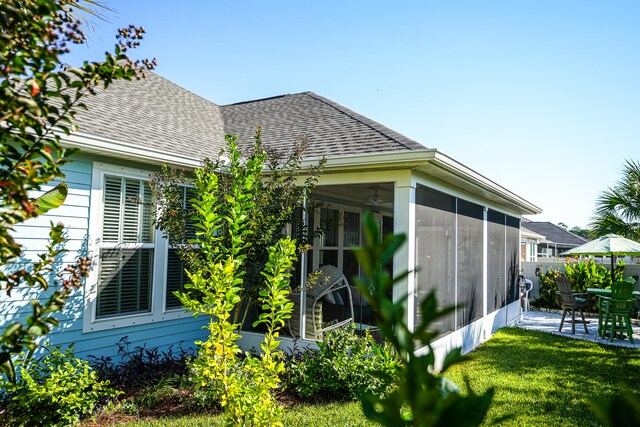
{"x": 613, "y": 267}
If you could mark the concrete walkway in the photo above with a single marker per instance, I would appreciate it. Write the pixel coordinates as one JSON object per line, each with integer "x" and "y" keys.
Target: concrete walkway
{"x": 550, "y": 322}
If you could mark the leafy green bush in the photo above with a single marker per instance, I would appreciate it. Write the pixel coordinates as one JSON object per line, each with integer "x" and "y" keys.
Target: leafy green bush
{"x": 420, "y": 398}
{"x": 342, "y": 366}
{"x": 142, "y": 366}
{"x": 548, "y": 297}
{"x": 56, "y": 390}
{"x": 582, "y": 274}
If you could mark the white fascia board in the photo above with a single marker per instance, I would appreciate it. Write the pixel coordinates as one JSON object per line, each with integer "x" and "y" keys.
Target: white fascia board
{"x": 444, "y": 161}
{"x": 388, "y": 160}
{"x": 420, "y": 158}
{"x": 114, "y": 148}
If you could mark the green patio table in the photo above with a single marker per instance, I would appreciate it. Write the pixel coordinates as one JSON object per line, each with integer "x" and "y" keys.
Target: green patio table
{"x": 605, "y": 292}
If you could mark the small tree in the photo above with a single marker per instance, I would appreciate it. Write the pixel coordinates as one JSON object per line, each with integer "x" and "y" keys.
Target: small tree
{"x": 224, "y": 227}
{"x": 281, "y": 189}
{"x": 618, "y": 208}
{"x": 38, "y": 101}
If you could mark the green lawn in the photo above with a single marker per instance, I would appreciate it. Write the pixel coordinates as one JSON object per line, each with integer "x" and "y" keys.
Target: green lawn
{"x": 540, "y": 380}
{"x": 329, "y": 414}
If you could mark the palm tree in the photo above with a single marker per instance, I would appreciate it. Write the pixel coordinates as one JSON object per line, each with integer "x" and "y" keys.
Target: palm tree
{"x": 618, "y": 208}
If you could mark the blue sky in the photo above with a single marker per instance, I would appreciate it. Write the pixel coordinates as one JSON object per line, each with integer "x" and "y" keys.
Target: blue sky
{"x": 542, "y": 97}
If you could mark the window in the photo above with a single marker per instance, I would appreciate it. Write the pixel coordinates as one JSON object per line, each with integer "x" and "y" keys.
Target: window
{"x": 134, "y": 269}
{"x": 126, "y": 248}
{"x": 176, "y": 276}
{"x": 340, "y": 232}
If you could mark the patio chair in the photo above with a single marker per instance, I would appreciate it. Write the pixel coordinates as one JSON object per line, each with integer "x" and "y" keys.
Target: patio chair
{"x": 329, "y": 305}
{"x": 570, "y": 301}
{"x": 615, "y": 310}
{"x": 526, "y": 286}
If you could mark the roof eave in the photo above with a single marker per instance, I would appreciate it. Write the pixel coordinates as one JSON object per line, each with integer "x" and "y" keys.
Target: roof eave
{"x": 113, "y": 148}
{"x": 434, "y": 163}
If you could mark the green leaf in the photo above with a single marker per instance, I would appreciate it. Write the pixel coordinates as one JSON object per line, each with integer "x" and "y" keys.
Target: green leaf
{"x": 52, "y": 199}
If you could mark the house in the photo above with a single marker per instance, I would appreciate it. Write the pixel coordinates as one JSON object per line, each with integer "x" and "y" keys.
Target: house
{"x": 529, "y": 241}
{"x": 556, "y": 239}
{"x": 463, "y": 229}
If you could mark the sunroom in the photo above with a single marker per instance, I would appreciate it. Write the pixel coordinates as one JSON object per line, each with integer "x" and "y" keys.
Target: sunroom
{"x": 463, "y": 243}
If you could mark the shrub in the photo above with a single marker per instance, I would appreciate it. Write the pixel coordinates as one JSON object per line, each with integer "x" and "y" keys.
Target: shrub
{"x": 56, "y": 390}
{"x": 141, "y": 366}
{"x": 581, "y": 274}
{"x": 342, "y": 366}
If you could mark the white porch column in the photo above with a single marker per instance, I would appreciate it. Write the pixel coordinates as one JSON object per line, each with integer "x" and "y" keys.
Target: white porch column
{"x": 404, "y": 210}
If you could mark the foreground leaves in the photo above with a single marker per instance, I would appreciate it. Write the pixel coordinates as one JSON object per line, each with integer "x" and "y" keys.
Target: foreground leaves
{"x": 421, "y": 398}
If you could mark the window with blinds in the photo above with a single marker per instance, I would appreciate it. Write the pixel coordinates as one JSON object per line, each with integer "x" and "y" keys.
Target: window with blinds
{"x": 126, "y": 248}
{"x": 176, "y": 276}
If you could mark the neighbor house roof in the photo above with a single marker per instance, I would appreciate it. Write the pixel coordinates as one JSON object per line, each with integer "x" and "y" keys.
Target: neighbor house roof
{"x": 526, "y": 233}
{"x": 332, "y": 129}
{"x": 554, "y": 234}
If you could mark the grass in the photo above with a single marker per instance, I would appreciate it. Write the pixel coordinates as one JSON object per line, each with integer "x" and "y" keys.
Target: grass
{"x": 329, "y": 414}
{"x": 540, "y": 380}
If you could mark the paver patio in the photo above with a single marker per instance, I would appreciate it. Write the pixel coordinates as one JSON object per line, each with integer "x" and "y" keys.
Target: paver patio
{"x": 549, "y": 322}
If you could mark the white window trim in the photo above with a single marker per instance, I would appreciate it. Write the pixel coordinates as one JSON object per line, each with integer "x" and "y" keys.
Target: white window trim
{"x": 157, "y": 311}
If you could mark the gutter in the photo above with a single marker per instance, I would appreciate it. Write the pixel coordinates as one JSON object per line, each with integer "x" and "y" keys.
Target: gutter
{"x": 405, "y": 159}
{"x": 418, "y": 159}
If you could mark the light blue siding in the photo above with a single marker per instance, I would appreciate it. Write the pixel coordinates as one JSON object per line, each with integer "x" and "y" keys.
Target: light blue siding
{"x": 74, "y": 214}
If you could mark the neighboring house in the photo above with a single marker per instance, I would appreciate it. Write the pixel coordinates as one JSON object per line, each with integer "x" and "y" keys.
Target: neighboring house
{"x": 556, "y": 239}
{"x": 529, "y": 244}
{"x": 463, "y": 229}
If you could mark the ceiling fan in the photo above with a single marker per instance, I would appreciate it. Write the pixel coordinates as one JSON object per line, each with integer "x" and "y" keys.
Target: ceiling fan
{"x": 376, "y": 201}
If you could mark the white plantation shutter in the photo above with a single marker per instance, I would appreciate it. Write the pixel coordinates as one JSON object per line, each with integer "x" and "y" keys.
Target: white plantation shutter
{"x": 176, "y": 279}
{"x": 128, "y": 213}
{"x": 189, "y": 193}
{"x": 112, "y": 209}
{"x": 176, "y": 276}
{"x": 124, "y": 281}
{"x": 127, "y": 249}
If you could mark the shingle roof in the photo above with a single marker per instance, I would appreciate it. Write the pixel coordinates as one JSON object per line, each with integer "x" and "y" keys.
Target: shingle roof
{"x": 331, "y": 128}
{"x": 554, "y": 234}
{"x": 155, "y": 113}
{"x": 158, "y": 114}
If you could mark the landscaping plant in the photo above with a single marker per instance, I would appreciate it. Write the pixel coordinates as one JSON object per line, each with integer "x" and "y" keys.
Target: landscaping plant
{"x": 618, "y": 208}
{"x": 55, "y": 390}
{"x": 223, "y": 223}
{"x": 344, "y": 365}
{"x": 582, "y": 274}
{"x": 277, "y": 192}
{"x": 38, "y": 101}
{"x": 420, "y": 398}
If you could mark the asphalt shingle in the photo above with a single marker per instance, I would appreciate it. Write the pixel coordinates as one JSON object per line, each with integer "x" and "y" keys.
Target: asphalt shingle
{"x": 554, "y": 234}
{"x": 156, "y": 113}
{"x": 331, "y": 128}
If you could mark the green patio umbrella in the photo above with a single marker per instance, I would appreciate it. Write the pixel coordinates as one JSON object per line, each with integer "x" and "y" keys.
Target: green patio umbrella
{"x": 610, "y": 245}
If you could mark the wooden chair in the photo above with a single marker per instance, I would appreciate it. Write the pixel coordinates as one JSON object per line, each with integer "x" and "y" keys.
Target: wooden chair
{"x": 616, "y": 310}
{"x": 570, "y": 301}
